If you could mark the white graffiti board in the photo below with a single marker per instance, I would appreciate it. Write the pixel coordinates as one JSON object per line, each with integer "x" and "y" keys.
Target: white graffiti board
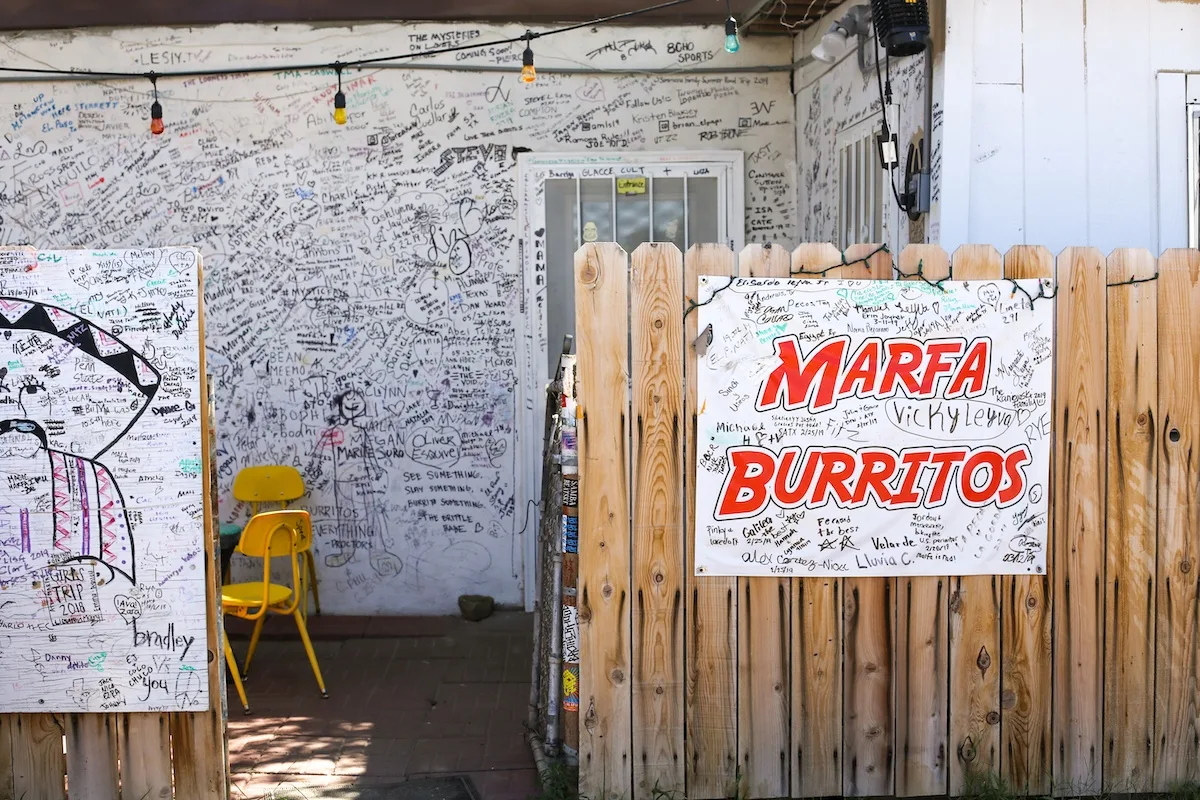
{"x": 873, "y": 427}
{"x": 102, "y": 566}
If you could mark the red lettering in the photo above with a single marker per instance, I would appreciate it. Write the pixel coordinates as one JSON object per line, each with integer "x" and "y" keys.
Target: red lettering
{"x": 1016, "y": 476}
{"x": 836, "y": 468}
{"x": 993, "y": 462}
{"x": 863, "y": 371}
{"x": 786, "y": 494}
{"x": 912, "y": 461}
{"x": 903, "y": 361}
{"x": 877, "y": 469}
{"x": 812, "y": 383}
{"x": 971, "y": 378}
{"x": 943, "y": 462}
{"x": 938, "y": 364}
{"x": 745, "y": 490}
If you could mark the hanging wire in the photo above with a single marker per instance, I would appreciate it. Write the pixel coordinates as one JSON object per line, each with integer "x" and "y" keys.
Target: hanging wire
{"x": 920, "y": 273}
{"x": 1132, "y": 281}
{"x": 1033, "y": 298}
{"x": 883, "y": 248}
{"x": 199, "y": 73}
{"x": 693, "y": 305}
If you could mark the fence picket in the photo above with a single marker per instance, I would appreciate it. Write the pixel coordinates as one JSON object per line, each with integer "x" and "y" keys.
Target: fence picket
{"x": 974, "y": 621}
{"x": 91, "y": 746}
{"x": 38, "y": 765}
{"x": 656, "y": 289}
{"x": 869, "y": 726}
{"x": 1079, "y": 523}
{"x": 816, "y": 639}
{"x": 1177, "y": 754}
{"x": 602, "y": 331}
{"x": 711, "y": 629}
{"x": 764, "y": 635}
{"x": 1025, "y": 635}
{"x": 145, "y": 762}
{"x": 1130, "y": 519}
{"x": 6, "y": 764}
{"x": 922, "y": 634}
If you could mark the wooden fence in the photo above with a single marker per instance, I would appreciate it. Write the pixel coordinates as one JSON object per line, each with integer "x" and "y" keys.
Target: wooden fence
{"x": 142, "y": 756}
{"x": 1080, "y": 680}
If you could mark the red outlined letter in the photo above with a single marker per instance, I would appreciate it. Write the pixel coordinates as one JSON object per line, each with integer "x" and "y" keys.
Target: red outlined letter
{"x": 878, "y": 467}
{"x": 811, "y": 381}
{"x": 862, "y": 375}
{"x": 787, "y": 494}
{"x": 1013, "y": 461}
{"x": 938, "y": 365}
{"x": 837, "y": 466}
{"x": 943, "y": 462}
{"x": 745, "y": 491}
{"x": 989, "y": 459}
{"x": 913, "y": 461}
{"x": 972, "y": 376}
{"x": 904, "y": 358}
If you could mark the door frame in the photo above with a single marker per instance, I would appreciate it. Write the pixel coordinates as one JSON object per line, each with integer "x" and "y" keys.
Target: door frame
{"x": 532, "y": 349}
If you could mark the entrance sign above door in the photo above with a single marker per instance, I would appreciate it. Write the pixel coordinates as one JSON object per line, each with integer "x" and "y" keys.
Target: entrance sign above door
{"x": 873, "y": 428}
{"x": 102, "y": 482}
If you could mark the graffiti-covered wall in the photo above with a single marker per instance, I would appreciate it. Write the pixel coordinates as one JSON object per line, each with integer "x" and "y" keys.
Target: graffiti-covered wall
{"x": 363, "y": 287}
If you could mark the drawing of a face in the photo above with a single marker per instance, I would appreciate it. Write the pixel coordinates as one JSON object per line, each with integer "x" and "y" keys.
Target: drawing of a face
{"x": 21, "y": 438}
{"x": 351, "y": 405}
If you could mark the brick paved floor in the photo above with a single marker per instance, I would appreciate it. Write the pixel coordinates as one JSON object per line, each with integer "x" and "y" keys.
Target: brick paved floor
{"x": 408, "y": 697}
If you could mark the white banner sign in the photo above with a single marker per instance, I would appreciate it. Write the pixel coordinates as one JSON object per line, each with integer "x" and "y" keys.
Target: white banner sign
{"x": 873, "y": 428}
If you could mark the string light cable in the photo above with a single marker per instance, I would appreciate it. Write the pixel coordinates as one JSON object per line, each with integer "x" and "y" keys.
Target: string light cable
{"x": 526, "y": 37}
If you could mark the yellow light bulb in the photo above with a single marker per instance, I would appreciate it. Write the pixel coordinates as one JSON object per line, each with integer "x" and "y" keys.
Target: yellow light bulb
{"x": 528, "y": 74}
{"x": 339, "y": 116}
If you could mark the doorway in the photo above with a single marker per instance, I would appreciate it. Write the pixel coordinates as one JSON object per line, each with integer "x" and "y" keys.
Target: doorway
{"x": 567, "y": 200}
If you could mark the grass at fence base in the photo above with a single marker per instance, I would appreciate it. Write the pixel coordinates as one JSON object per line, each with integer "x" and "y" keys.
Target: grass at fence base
{"x": 990, "y": 786}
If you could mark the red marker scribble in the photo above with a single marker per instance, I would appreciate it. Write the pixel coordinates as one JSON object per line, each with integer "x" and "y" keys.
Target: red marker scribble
{"x": 332, "y": 438}
{"x": 97, "y": 183}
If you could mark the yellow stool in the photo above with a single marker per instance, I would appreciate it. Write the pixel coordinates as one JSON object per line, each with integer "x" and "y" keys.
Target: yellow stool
{"x": 276, "y": 483}
{"x": 287, "y": 532}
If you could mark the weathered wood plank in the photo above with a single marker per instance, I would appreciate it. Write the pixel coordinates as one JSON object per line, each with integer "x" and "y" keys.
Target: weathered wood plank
{"x": 1025, "y": 631}
{"x": 1177, "y": 735}
{"x": 199, "y": 740}
{"x": 39, "y": 768}
{"x": 91, "y": 744}
{"x": 816, "y": 639}
{"x": 1131, "y": 523}
{"x": 974, "y": 621}
{"x": 145, "y": 756}
{"x": 6, "y": 764}
{"x": 1079, "y": 521}
{"x": 656, "y": 289}
{"x": 764, "y": 647}
{"x": 602, "y": 331}
{"x": 711, "y": 629}
{"x": 869, "y": 631}
{"x": 922, "y": 633}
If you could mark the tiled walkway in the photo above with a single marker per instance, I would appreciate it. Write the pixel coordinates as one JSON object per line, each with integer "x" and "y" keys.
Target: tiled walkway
{"x": 408, "y": 697}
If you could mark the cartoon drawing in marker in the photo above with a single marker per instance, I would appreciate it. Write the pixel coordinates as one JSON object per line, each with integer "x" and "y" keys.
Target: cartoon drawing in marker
{"x": 346, "y": 457}
{"x": 69, "y": 393}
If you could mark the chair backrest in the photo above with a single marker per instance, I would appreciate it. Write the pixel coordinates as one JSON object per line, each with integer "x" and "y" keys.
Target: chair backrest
{"x": 271, "y": 483}
{"x": 276, "y": 533}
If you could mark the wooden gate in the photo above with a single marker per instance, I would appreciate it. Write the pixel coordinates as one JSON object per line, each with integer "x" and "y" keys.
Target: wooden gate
{"x": 763, "y": 688}
{"x": 132, "y": 756}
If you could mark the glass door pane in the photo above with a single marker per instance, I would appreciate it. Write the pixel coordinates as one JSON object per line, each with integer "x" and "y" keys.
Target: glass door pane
{"x": 633, "y": 211}
{"x": 704, "y": 210}
{"x": 596, "y": 209}
{"x": 562, "y": 239}
{"x": 669, "y": 211}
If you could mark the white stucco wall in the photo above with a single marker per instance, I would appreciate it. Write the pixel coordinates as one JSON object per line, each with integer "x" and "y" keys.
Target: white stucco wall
{"x": 378, "y": 258}
{"x": 1065, "y": 120}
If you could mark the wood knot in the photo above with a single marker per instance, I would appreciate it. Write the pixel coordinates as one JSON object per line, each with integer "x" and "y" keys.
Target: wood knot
{"x": 1008, "y": 699}
{"x": 1141, "y": 419}
{"x": 984, "y": 660}
{"x": 871, "y": 667}
{"x": 588, "y": 274}
{"x": 658, "y": 577}
{"x": 778, "y": 687}
{"x": 658, "y": 690}
{"x": 1031, "y": 602}
{"x": 1185, "y": 566}
{"x": 874, "y": 731}
{"x": 618, "y": 676}
{"x": 966, "y": 750}
{"x": 1174, "y": 435}
{"x": 956, "y": 602}
{"x": 658, "y": 323}
{"x": 606, "y": 590}
{"x": 993, "y": 718}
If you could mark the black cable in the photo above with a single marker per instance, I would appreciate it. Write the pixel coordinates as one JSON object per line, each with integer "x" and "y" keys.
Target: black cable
{"x": 887, "y": 132}
{"x": 200, "y": 73}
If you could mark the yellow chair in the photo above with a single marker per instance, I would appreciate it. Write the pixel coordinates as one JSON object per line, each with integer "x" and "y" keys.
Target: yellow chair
{"x": 276, "y": 483}
{"x": 231, "y": 662}
{"x": 272, "y": 534}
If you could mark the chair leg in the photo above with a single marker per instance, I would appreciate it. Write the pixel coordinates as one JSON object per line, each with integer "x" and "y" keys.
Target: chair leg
{"x": 312, "y": 577}
{"x": 237, "y": 679}
{"x": 258, "y": 626}
{"x": 308, "y": 648}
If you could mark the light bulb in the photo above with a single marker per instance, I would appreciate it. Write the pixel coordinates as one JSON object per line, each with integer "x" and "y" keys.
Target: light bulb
{"x": 339, "y": 108}
{"x": 732, "y": 43}
{"x": 528, "y": 73}
{"x": 156, "y": 121}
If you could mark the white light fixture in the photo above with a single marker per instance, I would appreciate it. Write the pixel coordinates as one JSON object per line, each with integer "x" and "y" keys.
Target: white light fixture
{"x": 836, "y": 41}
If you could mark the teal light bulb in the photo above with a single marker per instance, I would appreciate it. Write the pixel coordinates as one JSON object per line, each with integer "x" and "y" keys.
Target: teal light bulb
{"x": 732, "y": 43}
